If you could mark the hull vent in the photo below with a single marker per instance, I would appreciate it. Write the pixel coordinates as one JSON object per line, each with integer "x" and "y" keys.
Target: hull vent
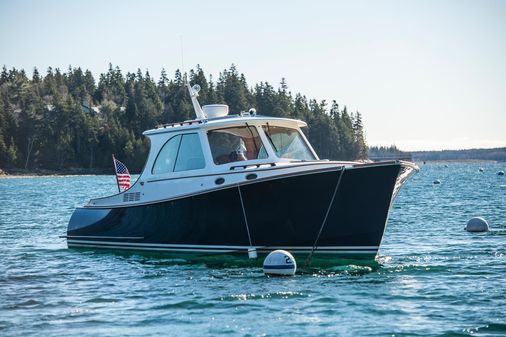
{"x": 127, "y": 197}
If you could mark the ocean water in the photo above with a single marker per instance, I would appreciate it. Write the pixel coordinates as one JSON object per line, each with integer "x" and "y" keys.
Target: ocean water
{"x": 432, "y": 278}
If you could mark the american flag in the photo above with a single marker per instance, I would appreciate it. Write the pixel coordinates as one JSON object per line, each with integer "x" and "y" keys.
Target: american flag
{"x": 122, "y": 175}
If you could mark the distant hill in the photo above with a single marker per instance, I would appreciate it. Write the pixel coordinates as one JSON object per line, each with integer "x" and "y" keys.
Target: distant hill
{"x": 377, "y": 153}
{"x": 498, "y": 154}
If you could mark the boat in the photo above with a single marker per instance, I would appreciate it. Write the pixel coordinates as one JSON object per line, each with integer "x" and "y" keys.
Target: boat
{"x": 228, "y": 184}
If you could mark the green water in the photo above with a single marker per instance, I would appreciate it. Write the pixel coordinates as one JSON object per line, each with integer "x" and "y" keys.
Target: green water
{"x": 431, "y": 278}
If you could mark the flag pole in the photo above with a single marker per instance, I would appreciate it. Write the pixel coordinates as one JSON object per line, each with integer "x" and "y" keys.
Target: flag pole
{"x": 116, "y": 172}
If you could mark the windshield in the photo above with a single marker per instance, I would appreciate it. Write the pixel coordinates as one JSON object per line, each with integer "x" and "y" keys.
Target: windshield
{"x": 288, "y": 143}
{"x": 235, "y": 144}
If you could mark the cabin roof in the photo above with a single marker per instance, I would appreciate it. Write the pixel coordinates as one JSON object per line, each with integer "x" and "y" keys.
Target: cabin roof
{"x": 222, "y": 121}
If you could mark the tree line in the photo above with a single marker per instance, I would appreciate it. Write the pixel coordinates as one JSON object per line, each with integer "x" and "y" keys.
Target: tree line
{"x": 68, "y": 120}
{"x": 388, "y": 153}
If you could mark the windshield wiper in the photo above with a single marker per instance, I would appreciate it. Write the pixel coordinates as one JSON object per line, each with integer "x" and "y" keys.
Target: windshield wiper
{"x": 270, "y": 139}
{"x": 254, "y": 139}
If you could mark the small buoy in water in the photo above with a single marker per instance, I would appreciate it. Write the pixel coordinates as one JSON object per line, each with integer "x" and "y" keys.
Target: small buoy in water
{"x": 446, "y": 165}
{"x": 280, "y": 262}
{"x": 477, "y": 224}
{"x": 252, "y": 253}
{"x": 481, "y": 169}
{"x": 500, "y": 173}
{"x": 436, "y": 182}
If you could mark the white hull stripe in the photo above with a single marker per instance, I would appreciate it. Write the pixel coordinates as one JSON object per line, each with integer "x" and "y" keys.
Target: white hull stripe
{"x": 161, "y": 245}
{"x": 71, "y": 237}
{"x": 217, "y": 249}
{"x": 221, "y": 251}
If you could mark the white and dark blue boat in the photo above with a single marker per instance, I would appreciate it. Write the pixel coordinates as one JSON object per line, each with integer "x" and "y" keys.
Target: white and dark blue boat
{"x": 226, "y": 184}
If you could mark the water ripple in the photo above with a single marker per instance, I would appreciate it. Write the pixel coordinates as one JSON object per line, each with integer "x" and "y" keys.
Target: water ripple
{"x": 432, "y": 278}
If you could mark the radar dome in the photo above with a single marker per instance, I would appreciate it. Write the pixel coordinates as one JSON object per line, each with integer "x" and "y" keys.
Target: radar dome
{"x": 215, "y": 110}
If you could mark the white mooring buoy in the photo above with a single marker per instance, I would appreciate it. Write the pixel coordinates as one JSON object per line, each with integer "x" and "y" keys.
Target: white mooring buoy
{"x": 436, "y": 182}
{"x": 280, "y": 262}
{"x": 477, "y": 224}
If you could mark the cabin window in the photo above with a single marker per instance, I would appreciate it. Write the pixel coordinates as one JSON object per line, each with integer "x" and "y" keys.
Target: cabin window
{"x": 288, "y": 143}
{"x": 190, "y": 156}
{"x": 180, "y": 153}
{"x": 167, "y": 156}
{"x": 236, "y": 144}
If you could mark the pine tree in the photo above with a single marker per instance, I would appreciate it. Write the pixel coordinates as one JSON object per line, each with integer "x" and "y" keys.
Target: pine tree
{"x": 358, "y": 130}
{"x": 347, "y": 135}
{"x": 232, "y": 87}
{"x": 36, "y": 75}
{"x": 4, "y": 76}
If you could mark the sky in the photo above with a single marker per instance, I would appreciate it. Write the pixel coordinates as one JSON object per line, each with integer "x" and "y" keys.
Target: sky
{"x": 425, "y": 75}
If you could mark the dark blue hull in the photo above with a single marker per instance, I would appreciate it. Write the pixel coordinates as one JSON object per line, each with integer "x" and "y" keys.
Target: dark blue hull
{"x": 286, "y": 212}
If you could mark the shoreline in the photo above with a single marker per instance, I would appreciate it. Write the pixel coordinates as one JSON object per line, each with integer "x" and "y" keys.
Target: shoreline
{"x": 39, "y": 173}
{"x": 18, "y": 176}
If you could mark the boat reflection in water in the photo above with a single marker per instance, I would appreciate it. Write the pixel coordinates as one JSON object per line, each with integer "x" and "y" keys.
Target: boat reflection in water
{"x": 223, "y": 184}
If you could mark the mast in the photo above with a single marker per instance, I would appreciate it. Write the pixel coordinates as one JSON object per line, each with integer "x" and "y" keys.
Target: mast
{"x": 194, "y": 92}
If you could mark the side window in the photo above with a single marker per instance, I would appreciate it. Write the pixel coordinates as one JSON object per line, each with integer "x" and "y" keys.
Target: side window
{"x": 190, "y": 155}
{"x": 166, "y": 158}
{"x": 180, "y": 153}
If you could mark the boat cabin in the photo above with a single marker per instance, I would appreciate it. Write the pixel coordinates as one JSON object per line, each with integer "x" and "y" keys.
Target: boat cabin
{"x": 224, "y": 144}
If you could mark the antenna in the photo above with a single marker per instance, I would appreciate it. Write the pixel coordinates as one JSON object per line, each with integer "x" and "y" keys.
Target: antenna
{"x": 182, "y": 53}
{"x": 194, "y": 91}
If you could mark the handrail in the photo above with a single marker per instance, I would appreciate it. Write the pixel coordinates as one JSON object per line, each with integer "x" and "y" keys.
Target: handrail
{"x": 172, "y": 125}
{"x": 232, "y": 168}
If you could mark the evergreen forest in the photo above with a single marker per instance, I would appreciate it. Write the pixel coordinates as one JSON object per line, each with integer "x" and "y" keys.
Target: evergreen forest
{"x": 64, "y": 121}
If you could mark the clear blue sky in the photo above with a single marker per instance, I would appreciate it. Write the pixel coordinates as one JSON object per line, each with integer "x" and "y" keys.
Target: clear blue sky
{"x": 424, "y": 74}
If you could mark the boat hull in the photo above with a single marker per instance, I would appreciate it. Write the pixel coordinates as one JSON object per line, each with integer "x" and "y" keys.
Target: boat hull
{"x": 350, "y": 206}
